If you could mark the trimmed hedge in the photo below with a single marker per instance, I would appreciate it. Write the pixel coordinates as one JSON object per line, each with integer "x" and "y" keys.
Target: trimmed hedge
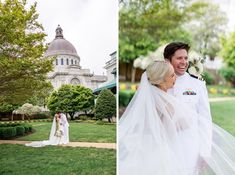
{"x": 20, "y": 130}
{"x": 8, "y": 131}
{"x": 9, "y": 125}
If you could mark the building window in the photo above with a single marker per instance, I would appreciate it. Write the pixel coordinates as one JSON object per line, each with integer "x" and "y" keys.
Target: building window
{"x": 62, "y": 61}
{"x": 72, "y": 61}
{"x": 75, "y": 81}
{"x": 67, "y": 61}
{"x": 75, "y": 61}
{"x": 56, "y": 61}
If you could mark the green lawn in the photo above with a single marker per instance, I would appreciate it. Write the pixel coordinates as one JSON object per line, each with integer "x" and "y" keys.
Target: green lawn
{"x": 223, "y": 114}
{"x": 78, "y": 132}
{"x": 51, "y": 160}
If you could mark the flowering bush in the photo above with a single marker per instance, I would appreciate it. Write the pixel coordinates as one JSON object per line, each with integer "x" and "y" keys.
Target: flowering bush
{"x": 213, "y": 91}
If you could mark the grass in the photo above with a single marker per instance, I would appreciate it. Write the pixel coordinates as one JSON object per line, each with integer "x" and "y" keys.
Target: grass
{"x": 78, "y": 132}
{"x": 224, "y": 115}
{"x": 19, "y": 159}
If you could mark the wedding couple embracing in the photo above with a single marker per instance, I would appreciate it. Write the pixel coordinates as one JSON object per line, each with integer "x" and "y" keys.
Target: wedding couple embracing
{"x": 167, "y": 128}
{"x": 59, "y": 133}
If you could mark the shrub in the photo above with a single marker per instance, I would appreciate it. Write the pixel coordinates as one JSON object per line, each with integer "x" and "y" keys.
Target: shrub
{"x": 105, "y": 105}
{"x": 9, "y": 124}
{"x": 83, "y": 117}
{"x": 20, "y": 130}
{"x": 1, "y": 132}
{"x": 26, "y": 127}
{"x": 125, "y": 97}
{"x": 30, "y": 128}
{"x": 8, "y": 132}
{"x": 208, "y": 78}
{"x": 229, "y": 74}
{"x": 41, "y": 115}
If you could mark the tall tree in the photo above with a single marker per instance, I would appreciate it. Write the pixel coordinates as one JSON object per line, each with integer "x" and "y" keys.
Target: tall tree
{"x": 105, "y": 105}
{"x": 145, "y": 25}
{"x": 23, "y": 69}
{"x": 228, "y": 53}
{"x": 206, "y": 28}
{"x": 71, "y": 99}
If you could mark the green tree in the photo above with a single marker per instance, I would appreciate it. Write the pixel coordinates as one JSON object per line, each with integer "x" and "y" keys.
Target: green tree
{"x": 27, "y": 110}
{"x": 207, "y": 27}
{"x": 23, "y": 69}
{"x": 71, "y": 99}
{"x": 228, "y": 52}
{"x": 145, "y": 25}
{"x": 105, "y": 105}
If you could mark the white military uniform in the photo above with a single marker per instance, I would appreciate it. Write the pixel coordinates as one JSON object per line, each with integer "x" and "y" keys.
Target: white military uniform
{"x": 193, "y": 92}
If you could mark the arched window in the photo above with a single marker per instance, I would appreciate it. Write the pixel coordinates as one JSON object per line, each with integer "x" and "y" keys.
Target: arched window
{"x": 75, "y": 81}
{"x": 72, "y": 61}
{"x": 75, "y": 61}
{"x": 56, "y": 62}
{"x": 67, "y": 61}
{"x": 62, "y": 61}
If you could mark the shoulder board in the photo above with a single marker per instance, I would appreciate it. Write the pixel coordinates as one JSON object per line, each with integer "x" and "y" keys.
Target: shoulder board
{"x": 196, "y": 77}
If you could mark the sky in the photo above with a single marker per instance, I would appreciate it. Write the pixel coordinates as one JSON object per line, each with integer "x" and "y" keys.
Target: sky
{"x": 90, "y": 25}
{"x": 228, "y": 6}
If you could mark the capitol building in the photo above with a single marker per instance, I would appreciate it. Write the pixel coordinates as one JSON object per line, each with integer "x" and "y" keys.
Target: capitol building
{"x": 67, "y": 68}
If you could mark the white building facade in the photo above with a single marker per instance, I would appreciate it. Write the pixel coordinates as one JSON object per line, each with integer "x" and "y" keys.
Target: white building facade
{"x": 110, "y": 67}
{"x": 67, "y": 68}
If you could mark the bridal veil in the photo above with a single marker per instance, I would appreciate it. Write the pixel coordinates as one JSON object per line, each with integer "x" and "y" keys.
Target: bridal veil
{"x": 159, "y": 135}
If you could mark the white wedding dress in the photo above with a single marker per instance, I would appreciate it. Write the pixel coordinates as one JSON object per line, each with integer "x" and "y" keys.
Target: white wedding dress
{"x": 53, "y": 139}
{"x": 159, "y": 135}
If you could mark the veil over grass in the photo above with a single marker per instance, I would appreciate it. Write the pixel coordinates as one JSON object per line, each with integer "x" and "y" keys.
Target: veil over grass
{"x": 53, "y": 139}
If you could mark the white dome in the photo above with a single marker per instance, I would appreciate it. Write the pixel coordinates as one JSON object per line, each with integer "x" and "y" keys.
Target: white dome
{"x": 60, "y": 46}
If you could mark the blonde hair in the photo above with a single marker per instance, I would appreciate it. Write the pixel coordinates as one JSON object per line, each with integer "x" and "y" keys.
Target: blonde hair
{"x": 157, "y": 71}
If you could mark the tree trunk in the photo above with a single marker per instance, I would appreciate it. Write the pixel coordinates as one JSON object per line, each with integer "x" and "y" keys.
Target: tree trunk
{"x": 109, "y": 120}
{"x": 72, "y": 115}
{"x": 133, "y": 72}
{"x": 126, "y": 76}
{"x": 11, "y": 116}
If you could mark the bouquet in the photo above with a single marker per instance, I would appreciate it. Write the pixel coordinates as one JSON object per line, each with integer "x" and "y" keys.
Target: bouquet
{"x": 195, "y": 64}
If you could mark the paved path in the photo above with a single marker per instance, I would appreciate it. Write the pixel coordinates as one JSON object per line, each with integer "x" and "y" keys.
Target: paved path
{"x": 72, "y": 144}
{"x": 217, "y": 99}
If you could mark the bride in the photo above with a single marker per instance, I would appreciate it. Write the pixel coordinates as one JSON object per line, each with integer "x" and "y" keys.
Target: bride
{"x": 59, "y": 132}
{"x": 159, "y": 135}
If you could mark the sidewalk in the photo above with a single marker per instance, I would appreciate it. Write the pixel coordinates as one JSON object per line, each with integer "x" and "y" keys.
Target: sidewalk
{"x": 70, "y": 144}
{"x": 217, "y": 99}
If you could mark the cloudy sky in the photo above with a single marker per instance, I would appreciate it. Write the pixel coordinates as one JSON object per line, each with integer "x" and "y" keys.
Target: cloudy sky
{"x": 90, "y": 25}
{"x": 228, "y": 6}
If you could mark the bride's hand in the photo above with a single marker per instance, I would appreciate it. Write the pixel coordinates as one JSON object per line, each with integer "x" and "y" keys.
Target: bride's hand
{"x": 201, "y": 163}
{"x": 181, "y": 125}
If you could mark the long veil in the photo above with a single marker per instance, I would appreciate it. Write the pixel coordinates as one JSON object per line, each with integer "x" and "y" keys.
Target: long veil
{"x": 53, "y": 140}
{"x": 158, "y": 135}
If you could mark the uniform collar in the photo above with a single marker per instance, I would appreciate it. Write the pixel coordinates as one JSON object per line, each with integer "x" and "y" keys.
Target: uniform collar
{"x": 183, "y": 76}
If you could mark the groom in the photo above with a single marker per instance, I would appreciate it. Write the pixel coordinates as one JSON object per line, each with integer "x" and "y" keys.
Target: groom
{"x": 192, "y": 91}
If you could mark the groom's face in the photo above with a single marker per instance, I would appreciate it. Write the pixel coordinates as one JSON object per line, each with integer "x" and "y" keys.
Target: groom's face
{"x": 179, "y": 61}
